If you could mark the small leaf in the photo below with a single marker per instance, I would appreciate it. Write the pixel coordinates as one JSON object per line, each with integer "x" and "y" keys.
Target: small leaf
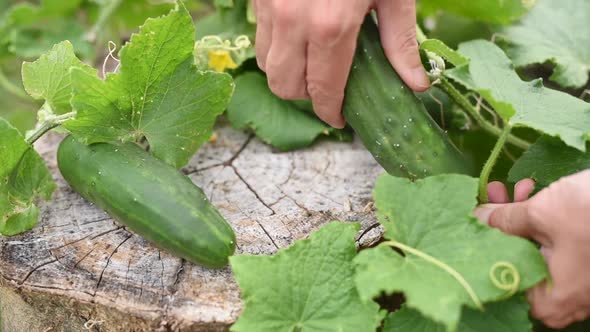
{"x": 439, "y": 48}
{"x": 491, "y": 74}
{"x": 555, "y": 31}
{"x": 280, "y": 123}
{"x": 159, "y": 94}
{"x": 448, "y": 255}
{"x": 505, "y": 316}
{"x": 23, "y": 178}
{"x": 307, "y": 287}
{"x": 48, "y": 78}
{"x": 547, "y": 161}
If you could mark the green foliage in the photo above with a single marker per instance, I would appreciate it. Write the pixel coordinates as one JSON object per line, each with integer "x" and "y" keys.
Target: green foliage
{"x": 430, "y": 222}
{"x": 284, "y": 124}
{"x": 505, "y": 316}
{"x": 48, "y": 78}
{"x": 492, "y": 11}
{"x": 29, "y": 30}
{"x": 547, "y": 161}
{"x": 491, "y": 74}
{"x": 307, "y": 287}
{"x": 23, "y": 178}
{"x": 158, "y": 94}
{"x": 555, "y": 31}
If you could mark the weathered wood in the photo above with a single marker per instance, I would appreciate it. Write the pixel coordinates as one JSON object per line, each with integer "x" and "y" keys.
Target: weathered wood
{"x": 79, "y": 267}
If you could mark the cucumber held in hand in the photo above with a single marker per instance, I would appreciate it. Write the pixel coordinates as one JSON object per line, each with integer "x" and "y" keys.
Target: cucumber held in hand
{"x": 150, "y": 197}
{"x": 391, "y": 121}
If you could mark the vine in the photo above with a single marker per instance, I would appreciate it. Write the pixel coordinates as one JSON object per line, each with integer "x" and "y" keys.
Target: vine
{"x": 489, "y": 165}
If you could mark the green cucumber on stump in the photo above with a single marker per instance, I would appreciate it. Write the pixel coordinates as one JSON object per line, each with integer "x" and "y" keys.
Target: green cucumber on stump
{"x": 150, "y": 197}
{"x": 391, "y": 121}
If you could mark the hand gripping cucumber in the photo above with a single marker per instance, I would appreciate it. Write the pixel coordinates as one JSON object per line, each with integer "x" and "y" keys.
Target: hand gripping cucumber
{"x": 391, "y": 121}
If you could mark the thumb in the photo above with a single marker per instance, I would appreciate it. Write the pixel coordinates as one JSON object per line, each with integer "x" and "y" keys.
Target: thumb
{"x": 397, "y": 25}
{"x": 514, "y": 219}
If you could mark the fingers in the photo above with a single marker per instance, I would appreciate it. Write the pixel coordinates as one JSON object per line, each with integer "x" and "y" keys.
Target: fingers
{"x": 330, "y": 53}
{"x": 263, "y": 31}
{"x": 483, "y": 212}
{"x": 523, "y": 189}
{"x": 397, "y": 25}
{"x": 286, "y": 60}
{"x": 515, "y": 219}
{"x": 497, "y": 192}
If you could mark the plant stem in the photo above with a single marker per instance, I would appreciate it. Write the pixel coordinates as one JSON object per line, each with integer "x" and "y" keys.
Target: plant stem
{"x": 489, "y": 165}
{"x": 11, "y": 87}
{"x": 45, "y": 126}
{"x": 103, "y": 17}
{"x": 464, "y": 103}
{"x": 441, "y": 265}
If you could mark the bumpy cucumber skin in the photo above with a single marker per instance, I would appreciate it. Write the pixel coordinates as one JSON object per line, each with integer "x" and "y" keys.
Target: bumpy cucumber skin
{"x": 150, "y": 197}
{"x": 391, "y": 121}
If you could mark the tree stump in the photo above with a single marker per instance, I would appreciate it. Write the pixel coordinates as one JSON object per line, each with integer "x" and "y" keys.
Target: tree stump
{"x": 78, "y": 269}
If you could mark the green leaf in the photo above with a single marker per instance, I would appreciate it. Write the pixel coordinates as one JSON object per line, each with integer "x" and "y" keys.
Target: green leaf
{"x": 48, "y": 78}
{"x": 491, "y": 74}
{"x": 430, "y": 221}
{"x": 505, "y": 316}
{"x": 555, "y": 31}
{"x": 307, "y": 287}
{"x": 23, "y": 178}
{"x": 158, "y": 94}
{"x": 439, "y": 48}
{"x": 491, "y": 11}
{"x": 280, "y": 123}
{"x": 547, "y": 161}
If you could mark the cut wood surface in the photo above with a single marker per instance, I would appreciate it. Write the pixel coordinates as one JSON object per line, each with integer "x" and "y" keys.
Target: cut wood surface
{"x": 78, "y": 269}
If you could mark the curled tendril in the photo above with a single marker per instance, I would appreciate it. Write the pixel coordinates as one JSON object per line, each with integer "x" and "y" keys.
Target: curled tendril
{"x": 215, "y": 42}
{"x": 112, "y": 48}
{"x": 505, "y": 276}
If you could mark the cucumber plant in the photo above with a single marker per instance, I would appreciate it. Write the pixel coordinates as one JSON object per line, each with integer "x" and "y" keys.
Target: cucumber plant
{"x": 455, "y": 273}
{"x": 158, "y": 96}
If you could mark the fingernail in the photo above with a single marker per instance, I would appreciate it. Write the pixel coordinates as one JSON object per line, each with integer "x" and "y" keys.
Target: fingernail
{"x": 421, "y": 80}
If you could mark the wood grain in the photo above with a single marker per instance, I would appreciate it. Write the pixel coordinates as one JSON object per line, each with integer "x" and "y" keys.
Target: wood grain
{"x": 80, "y": 270}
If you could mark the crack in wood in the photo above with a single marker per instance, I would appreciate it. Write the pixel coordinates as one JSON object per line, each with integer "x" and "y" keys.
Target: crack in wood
{"x": 109, "y": 261}
{"x": 36, "y": 268}
{"x": 273, "y": 212}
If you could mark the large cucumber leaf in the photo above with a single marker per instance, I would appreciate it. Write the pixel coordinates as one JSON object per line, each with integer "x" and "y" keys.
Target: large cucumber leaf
{"x": 548, "y": 160}
{"x": 158, "y": 93}
{"x": 555, "y": 31}
{"x": 307, "y": 287}
{"x": 448, "y": 258}
{"x": 491, "y": 73}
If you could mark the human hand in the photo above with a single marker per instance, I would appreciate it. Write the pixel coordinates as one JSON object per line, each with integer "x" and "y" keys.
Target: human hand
{"x": 306, "y": 47}
{"x": 558, "y": 217}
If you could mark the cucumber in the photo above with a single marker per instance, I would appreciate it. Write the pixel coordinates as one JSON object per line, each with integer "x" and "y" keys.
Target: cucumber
{"x": 391, "y": 121}
{"x": 150, "y": 197}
